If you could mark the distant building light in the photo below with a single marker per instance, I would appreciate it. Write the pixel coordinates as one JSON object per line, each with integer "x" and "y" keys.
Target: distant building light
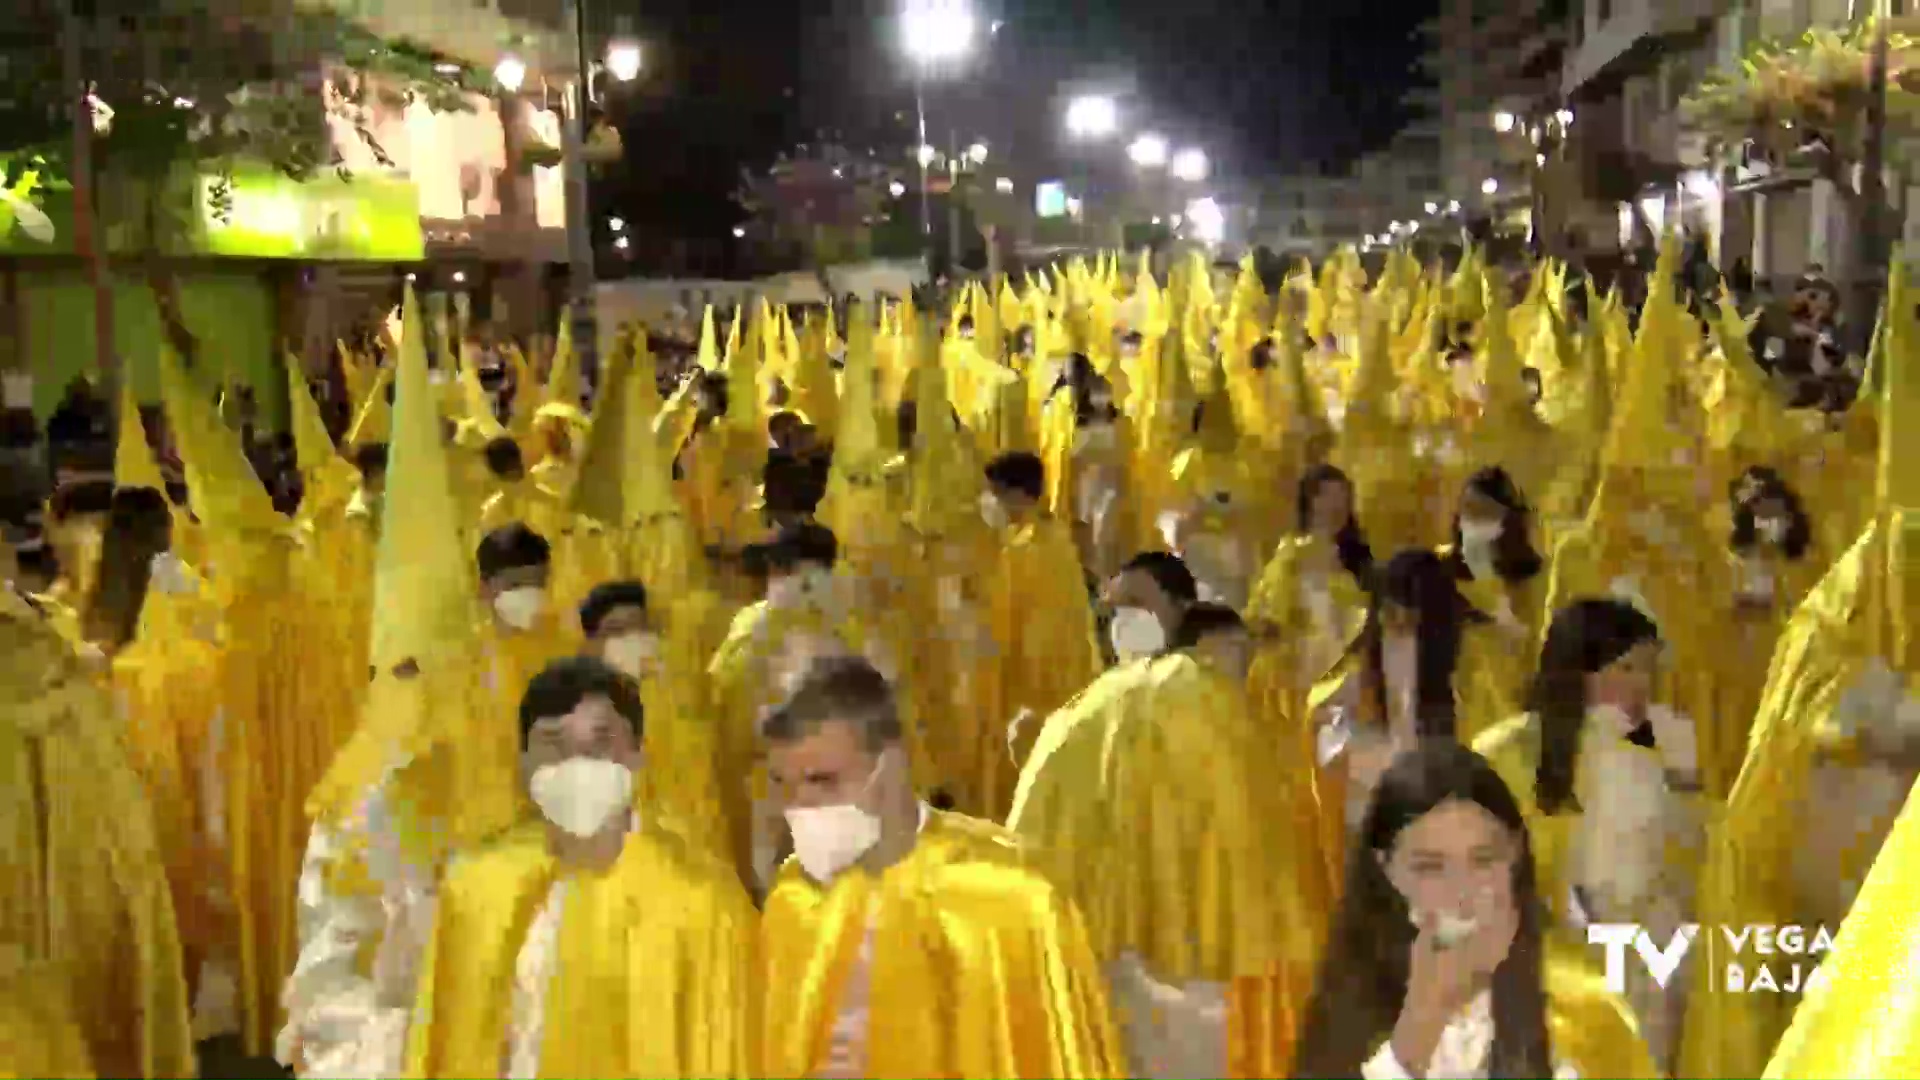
{"x": 1003, "y": 185}
{"x": 739, "y": 232}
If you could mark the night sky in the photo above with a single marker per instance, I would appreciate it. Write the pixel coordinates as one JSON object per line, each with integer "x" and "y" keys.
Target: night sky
{"x": 1265, "y": 88}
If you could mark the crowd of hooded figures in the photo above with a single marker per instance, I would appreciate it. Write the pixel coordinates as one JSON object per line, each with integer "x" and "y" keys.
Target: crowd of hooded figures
{"x": 1105, "y": 673}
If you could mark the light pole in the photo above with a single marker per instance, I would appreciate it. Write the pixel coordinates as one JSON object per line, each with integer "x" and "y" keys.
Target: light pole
{"x": 1090, "y": 118}
{"x": 933, "y": 32}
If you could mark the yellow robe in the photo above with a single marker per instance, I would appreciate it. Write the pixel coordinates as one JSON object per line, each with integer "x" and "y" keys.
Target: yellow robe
{"x": 652, "y": 963}
{"x": 1042, "y": 622}
{"x": 981, "y": 968}
{"x": 1163, "y": 812}
{"x": 1497, "y": 659}
{"x": 86, "y": 922}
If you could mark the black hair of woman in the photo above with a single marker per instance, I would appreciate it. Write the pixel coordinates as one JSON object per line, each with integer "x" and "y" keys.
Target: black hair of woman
{"x": 1356, "y": 557}
{"x": 1584, "y": 638}
{"x": 1365, "y": 968}
{"x": 1514, "y": 557}
{"x": 1756, "y": 485}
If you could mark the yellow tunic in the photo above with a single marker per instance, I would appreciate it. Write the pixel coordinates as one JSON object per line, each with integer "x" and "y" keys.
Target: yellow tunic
{"x": 980, "y": 967}
{"x": 1164, "y": 813}
{"x": 652, "y": 972}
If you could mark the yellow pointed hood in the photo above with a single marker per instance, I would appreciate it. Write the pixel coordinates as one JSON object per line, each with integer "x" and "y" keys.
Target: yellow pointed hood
{"x": 374, "y": 422}
{"x": 222, "y": 488}
{"x": 327, "y": 478}
{"x": 133, "y": 464}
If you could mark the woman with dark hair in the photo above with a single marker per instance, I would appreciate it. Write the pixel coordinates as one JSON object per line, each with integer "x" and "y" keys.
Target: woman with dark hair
{"x": 1309, "y": 602}
{"x": 1437, "y": 963}
{"x": 1503, "y": 576}
{"x": 1396, "y": 685}
{"x": 1609, "y": 781}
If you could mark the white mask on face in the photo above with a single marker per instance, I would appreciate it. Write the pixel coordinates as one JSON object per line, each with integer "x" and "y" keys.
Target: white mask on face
{"x": 581, "y": 794}
{"x": 1773, "y": 530}
{"x": 1475, "y": 532}
{"x": 828, "y": 839}
{"x": 167, "y": 574}
{"x": 807, "y": 588}
{"x": 632, "y": 654}
{"x": 1136, "y": 633}
{"x": 520, "y": 608}
{"x": 1610, "y": 718}
{"x": 993, "y": 511}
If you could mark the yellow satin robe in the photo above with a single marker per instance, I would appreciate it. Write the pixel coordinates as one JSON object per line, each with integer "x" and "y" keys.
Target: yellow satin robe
{"x": 87, "y": 928}
{"x": 981, "y": 968}
{"x": 652, "y": 968}
{"x": 1164, "y": 813}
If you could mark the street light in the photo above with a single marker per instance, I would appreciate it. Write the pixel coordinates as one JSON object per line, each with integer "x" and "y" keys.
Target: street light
{"x": 935, "y": 31}
{"x": 623, "y": 60}
{"x": 977, "y": 153}
{"x": 1093, "y": 116}
{"x": 510, "y": 73}
{"x": 1489, "y": 186}
{"x": 1003, "y": 185}
{"x": 1453, "y": 206}
{"x": 616, "y": 224}
{"x": 896, "y": 189}
{"x": 1503, "y": 122}
{"x": 1149, "y": 151}
{"x": 924, "y": 155}
{"x": 1433, "y": 208}
{"x": 1209, "y": 223}
{"x": 739, "y": 232}
{"x": 1190, "y": 165}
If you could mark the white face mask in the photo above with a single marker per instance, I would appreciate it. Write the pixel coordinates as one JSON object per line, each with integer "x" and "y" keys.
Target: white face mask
{"x": 1136, "y": 633}
{"x": 993, "y": 511}
{"x": 1773, "y": 530}
{"x": 581, "y": 794}
{"x": 520, "y": 608}
{"x": 808, "y": 588}
{"x": 828, "y": 839}
{"x": 167, "y": 574}
{"x": 632, "y": 654}
{"x": 1610, "y": 718}
{"x": 1475, "y": 533}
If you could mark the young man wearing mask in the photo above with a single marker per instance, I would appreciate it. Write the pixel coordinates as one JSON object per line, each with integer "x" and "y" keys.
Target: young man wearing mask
{"x": 945, "y": 925}
{"x": 522, "y": 632}
{"x": 502, "y": 994}
{"x": 1148, "y": 597}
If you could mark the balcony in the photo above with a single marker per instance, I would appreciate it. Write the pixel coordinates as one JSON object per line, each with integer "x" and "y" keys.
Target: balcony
{"x": 1633, "y": 34}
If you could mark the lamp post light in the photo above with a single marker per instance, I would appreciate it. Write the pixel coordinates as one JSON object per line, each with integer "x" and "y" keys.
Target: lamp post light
{"x": 1149, "y": 151}
{"x": 933, "y": 32}
{"x": 1092, "y": 116}
{"x": 1190, "y": 165}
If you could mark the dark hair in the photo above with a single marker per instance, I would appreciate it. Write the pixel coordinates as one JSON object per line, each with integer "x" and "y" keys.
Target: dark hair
{"x": 561, "y": 686}
{"x": 1514, "y": 558}
{"x": 792, "y": 485}
{"x": 1018, "y": 470}
{"x": 139, "y": 526}
{"x": 1355, "y": 556}
{"x": 1757, "y": 483}
{"x": 511, "y": 547}
{"x": 848, "y": 689}
{"x": 1169, "y": 572}
{"x": 607, "y": 596}
{"x": 1584, "y": 637}
{"x": 711, "y": 393}
{"x": 504, "y": 459}
{"x": 791, "y": 547}
{"x": 964, "y": 322}
{"x": 1202, "y": 620}
{"x": 370, "y": 458}
{"x": 1363, "y": 973}
{"x": 82, "y": 497}
{"x": 1260, "y": 357}
{"x": 906, "y": 423}
{"x": 1419, "y": 579}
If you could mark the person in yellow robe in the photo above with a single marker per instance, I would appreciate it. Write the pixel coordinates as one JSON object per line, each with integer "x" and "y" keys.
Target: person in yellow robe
{"x": 904, "y": 941}
{"x": 678, "y": 784}
{"x": 90, "y": 960}
{"x": 1608, "y": 779}
{"x": 1208, "y": 920}
{"x": 1502, "y": 574}
{"x": 525, "y": 630}
{"x": 1148, "y": 599}
{"x": 594, "y": 941}
{"x": 1435, "y": 965}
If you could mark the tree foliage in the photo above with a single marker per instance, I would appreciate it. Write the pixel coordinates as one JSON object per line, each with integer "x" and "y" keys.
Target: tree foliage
{"x": 823, "y": 202}
{"x": 1804, "y": 100}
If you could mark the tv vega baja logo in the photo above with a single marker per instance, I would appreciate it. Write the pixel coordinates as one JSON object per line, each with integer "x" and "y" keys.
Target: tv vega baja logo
{"x": 1756, "y": 958}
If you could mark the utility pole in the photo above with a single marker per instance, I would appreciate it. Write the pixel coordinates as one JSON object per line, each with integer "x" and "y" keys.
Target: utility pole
{"x": 1870, "y": 259}
{"x": 586, "y": 326}
{"x": 86, "y": 236}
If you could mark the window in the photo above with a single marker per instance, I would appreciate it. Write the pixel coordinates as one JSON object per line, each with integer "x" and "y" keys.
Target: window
{"x": 1603, "y": 9}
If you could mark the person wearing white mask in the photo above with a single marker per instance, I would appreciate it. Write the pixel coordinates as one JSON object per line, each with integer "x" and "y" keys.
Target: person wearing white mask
{"x": 1147, "y": 598}
{"x": 943, "y": 924}
{"x": 1770, "y": 544}
{"x": 515, "y": 563}
{"x": 1503, "y": 576}
{"x": 521, "y": 976}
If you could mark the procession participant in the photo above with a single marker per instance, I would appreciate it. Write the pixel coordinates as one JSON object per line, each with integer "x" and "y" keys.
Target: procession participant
{"x": 905, "y": 941}
{"x": 591, "y": 942}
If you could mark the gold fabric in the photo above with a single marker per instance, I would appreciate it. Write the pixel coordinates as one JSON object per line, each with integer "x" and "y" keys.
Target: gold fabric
{"x": 652, "y": 967}
{"x": 980, "y": 968}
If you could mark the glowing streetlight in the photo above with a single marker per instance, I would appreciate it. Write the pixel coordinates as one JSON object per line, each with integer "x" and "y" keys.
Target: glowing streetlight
{"x": 622, "y": 244}
{"x": 933, "y": 31}
{"x": 1093, "y": 116}
{"x": 739, "y": 232}
{"x": 1190, "y": 165}
{"x": 1433, "y": 208}
{"x": 977, "y": 153}
{"x": 1453, "y": 206}
{"x": 1565, "y": 116}
{"x": 1149, "y": 151}
{"x": 1003, "y": 185}
{"x": 1209, "y": 223}
{"x": 1503, "y": 122}
{"x": 459, "y": 277}
{"x": 924, "y": 155}
{"x": 510, "y": 72}
{"x": 616, "y": 224}
{"x": 896, "y": 189}
{"x": 623, "y": 60}
{"x": 1489, "y": 186}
